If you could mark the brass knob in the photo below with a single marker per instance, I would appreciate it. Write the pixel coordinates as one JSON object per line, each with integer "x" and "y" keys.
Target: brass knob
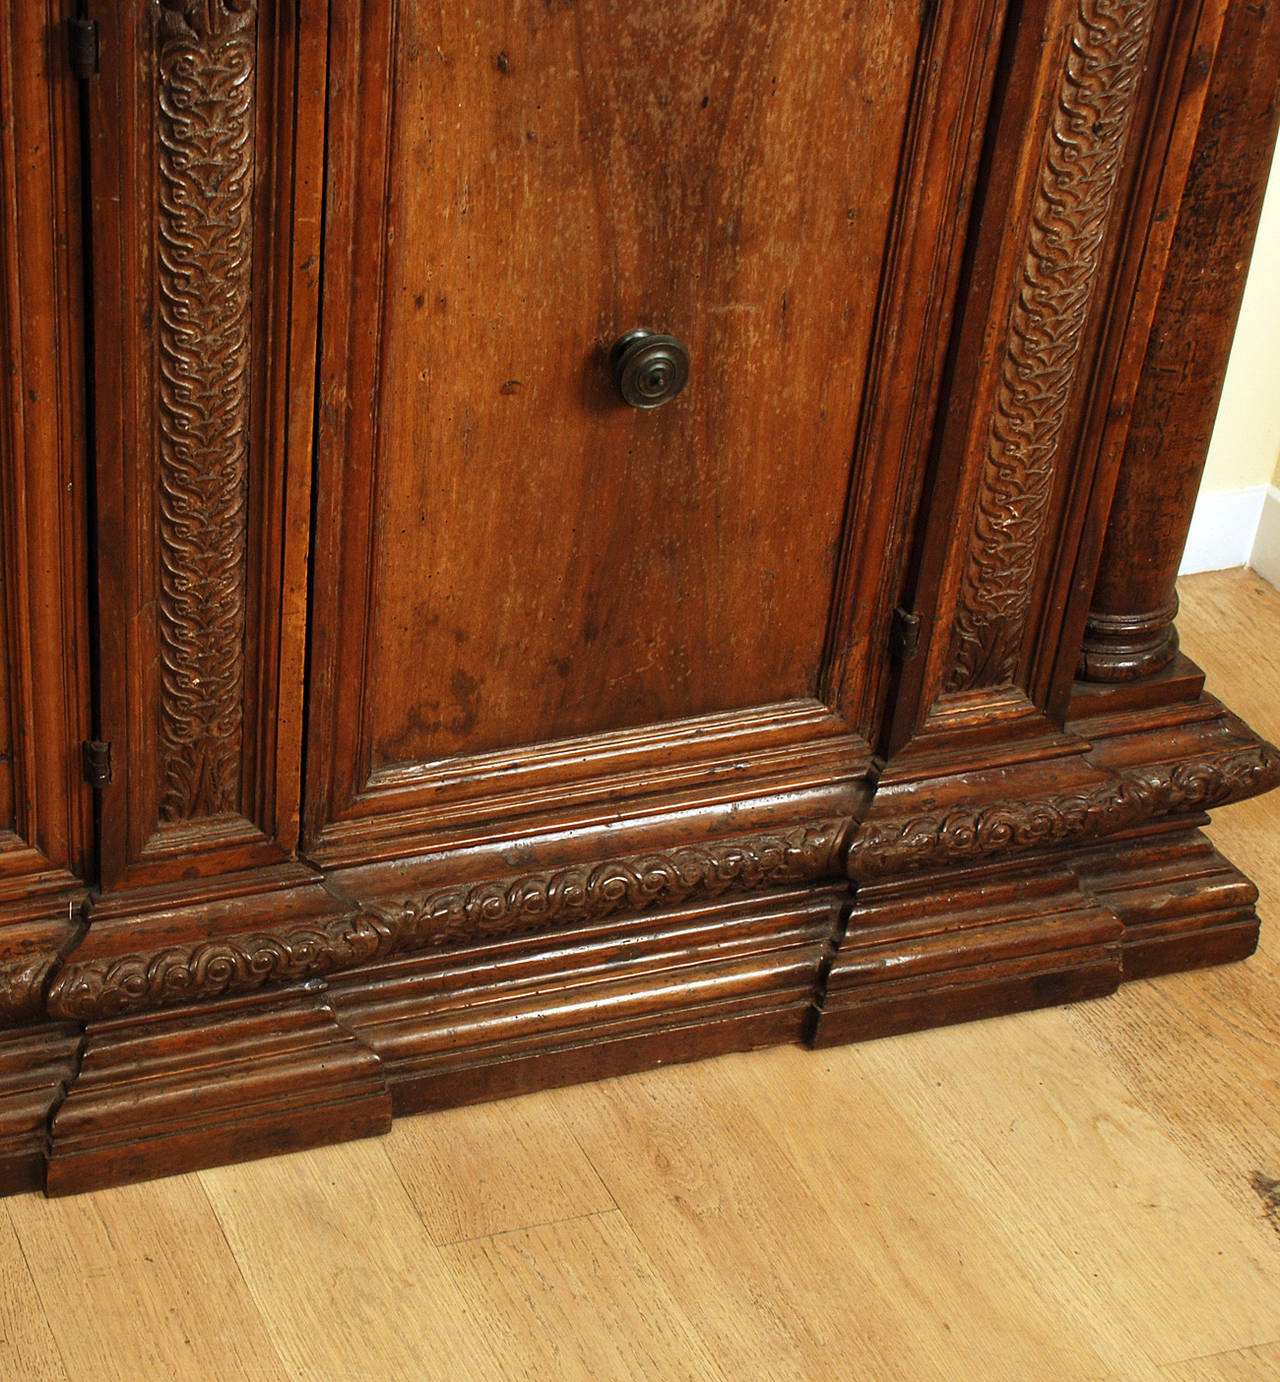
{"x": 649, "y": 369}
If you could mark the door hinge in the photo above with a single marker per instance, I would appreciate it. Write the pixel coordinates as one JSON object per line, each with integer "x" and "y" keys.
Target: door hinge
{"x": 97, "y": 763}
{"x": 84, "y": 47}
{"x": 904, "y": 634}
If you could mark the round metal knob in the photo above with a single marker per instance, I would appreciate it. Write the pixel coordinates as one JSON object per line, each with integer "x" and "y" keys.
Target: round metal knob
{"x": 649, "y": 369}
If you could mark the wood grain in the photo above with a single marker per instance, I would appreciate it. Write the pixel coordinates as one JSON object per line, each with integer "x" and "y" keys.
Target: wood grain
{"x": 140, "y": 1282}
{"x": 27, "y": 1346}
{"x": 495, "y": 1169}
{"x": 1108, "y": 1207}
{"x": 655, "y": 157}
{"x": 355, "y": 1267}
{"x": 589, "y": 1304}
{"x": 1238, "y": 1365}
{"x": 927, "y": 1245}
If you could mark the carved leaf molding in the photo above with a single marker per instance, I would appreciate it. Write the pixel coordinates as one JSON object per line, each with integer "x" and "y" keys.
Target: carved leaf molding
{"x": 500, "y": 907}
{"x": 903, "y": 844}
{"x": 204, "y": 128}
{"x": 1079, "y": 167}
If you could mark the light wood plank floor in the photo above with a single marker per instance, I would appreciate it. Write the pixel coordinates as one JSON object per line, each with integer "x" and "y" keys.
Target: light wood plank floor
{"x": 1090, "y": 1192}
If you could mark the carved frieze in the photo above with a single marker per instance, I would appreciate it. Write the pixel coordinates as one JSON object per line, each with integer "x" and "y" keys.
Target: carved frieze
{"x": 965, "y": 834}
{"x": 482, "y": 911}
{"x": 1056, "y": 285}
{"x": 205, "y": 76}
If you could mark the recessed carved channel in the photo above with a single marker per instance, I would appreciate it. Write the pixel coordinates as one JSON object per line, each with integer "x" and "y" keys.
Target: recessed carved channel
{"x": 205, "y": 76}
{"x": 1056, "y": 285}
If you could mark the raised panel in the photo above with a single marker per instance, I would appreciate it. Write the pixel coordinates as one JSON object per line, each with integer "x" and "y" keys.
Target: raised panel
{"x": 510, "y": 559}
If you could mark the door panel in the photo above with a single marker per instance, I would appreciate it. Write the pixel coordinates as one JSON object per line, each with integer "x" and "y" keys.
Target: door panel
{"x": 46, "y": 839}
{"x": 508, "y": 556}
{"x": 562, "y": 564}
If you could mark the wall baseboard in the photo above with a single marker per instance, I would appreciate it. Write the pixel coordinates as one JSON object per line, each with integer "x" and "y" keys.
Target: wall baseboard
{"x": 1265, "y": 559}
{"x": 1223, "y": 528}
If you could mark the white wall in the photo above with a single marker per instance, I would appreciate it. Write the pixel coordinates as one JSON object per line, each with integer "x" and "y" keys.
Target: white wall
{"x": 1237, "y": 516}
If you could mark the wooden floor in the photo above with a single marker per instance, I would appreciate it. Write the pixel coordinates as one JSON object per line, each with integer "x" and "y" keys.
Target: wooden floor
{"x": 1082, "y": 1193}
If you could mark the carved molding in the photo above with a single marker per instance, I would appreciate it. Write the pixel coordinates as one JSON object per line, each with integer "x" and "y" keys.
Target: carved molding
{"x": 22, "y": 989}
{"x": 965, "y": 834}
{"x": 1077, "y": 179}
{"x": 96, "y": 989}
{"x": 204, "y": 129}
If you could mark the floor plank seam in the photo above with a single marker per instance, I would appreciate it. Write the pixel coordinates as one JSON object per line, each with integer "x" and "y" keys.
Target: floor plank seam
{"x": 528, "y": 1228}
{"x": 35, "y": 1286}
{"x": 1221, "y": 1353}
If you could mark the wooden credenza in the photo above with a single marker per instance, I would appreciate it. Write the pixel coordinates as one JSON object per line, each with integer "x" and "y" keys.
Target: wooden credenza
{"x": 399, "y": 711}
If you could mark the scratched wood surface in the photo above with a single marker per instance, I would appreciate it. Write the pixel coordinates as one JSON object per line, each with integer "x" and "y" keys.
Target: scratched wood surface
{"x": 1091, "y": 1192}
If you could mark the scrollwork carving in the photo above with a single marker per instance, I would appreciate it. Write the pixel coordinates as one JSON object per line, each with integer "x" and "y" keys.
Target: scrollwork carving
{"x": 964, "y": 834}
{"x": 204, "y": 129}
{"x": 1056, "y": 285}
{"x": 96, "y": 989}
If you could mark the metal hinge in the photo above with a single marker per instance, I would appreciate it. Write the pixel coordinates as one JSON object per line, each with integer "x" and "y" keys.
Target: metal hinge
{"x": 904, "y": 634}
{"x": 84, "y": 47}
{"x": 97, "y": 763}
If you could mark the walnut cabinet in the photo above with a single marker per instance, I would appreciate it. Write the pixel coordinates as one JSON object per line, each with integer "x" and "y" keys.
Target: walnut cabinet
{"x": 400, "y": 711}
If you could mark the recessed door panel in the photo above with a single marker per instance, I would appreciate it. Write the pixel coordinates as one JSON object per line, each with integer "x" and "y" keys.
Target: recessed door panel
{"x": 507, "y": 554}
{"x": 550, "y": 561}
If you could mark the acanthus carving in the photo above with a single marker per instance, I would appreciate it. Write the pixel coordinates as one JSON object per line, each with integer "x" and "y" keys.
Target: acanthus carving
{"x": 205, "y": 78}
{"x": 236, "y": 964}
{"x": 511, "y": 907}
{"x": 1057, "y": 281}
{"x": 98, "y": 989}
{"x": 965, "y": 834}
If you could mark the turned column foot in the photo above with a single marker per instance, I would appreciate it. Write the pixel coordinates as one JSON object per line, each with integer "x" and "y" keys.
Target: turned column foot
{"x": 1124, "y": 647}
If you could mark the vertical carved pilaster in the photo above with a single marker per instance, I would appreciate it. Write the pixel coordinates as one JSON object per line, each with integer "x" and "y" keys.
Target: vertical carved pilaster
{"x": 205, "y": 79}
{"x": 1057, "y": 281}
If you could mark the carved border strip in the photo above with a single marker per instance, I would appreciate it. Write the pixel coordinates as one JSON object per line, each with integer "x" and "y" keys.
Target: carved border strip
{"x": 1093, "y": 108}
{"x": 204, "y": 129}
{"x": 503, "y": 907}
{"x": 903, "y": 844}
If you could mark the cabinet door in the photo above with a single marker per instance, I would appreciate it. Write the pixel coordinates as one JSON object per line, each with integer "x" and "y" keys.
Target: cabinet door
{"x": 45, "y": 819}
{"x": 527, "y": 593}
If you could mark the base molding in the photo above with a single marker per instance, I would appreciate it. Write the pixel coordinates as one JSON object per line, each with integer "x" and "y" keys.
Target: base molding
{"x": 293, "y": 1008}
{"x": 1182, "y": 905}
{"x": 180, "y": 1091}
{"x": 941, "y": 948}
{"x": 481, "y": 1022}
{"x": 36, "y": 1067}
